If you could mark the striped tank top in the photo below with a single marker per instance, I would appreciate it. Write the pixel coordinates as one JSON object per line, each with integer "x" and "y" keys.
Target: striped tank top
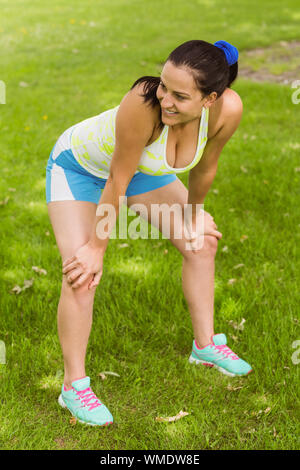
{"x": 93, "y": 143}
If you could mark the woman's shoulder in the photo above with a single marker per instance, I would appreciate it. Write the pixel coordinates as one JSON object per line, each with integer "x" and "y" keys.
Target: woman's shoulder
{"x": 232, "y": 104}
{"x": 134, "y": 98}
{"x": 229, "y": 107}
{"x": 133, "y": 111}
{"x": 135, "y": 119}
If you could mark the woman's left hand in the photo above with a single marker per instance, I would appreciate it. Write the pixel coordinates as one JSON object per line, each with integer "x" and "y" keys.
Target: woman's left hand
{"x": 195, "y": 234}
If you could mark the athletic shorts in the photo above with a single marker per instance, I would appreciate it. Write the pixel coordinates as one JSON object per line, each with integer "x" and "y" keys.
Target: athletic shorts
{"x": 67, "y": 180}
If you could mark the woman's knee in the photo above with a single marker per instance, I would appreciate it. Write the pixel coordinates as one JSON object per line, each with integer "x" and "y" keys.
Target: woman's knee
{"x": 81, "y": 292}
{"x": 208, "y": 247}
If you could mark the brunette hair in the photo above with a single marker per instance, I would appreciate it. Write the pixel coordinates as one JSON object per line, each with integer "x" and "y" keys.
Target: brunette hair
{"x": 207, "y": 63}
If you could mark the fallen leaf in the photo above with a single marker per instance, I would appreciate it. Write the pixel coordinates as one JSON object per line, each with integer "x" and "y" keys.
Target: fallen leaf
{"x": 243, "y": 237}
{"x": 165, "y": 252}
{"x": 233, "y": 389}
{"x": 23, "y": 84}
{"x": 60, "y": 442}
{"x": 244, "y": 169}
{"x": 16, "y": 289}
{"x": 27, "y": 283}
{"x": 231, "y": 281}
{"x": 235, "y": 338}
{"x": 73, "y": 421}
{"x": 236, "y": 326}
{"x": 238, "y": 266}
{"x": 107, "y": 372}
{"x": 180, "y": 415}
{"x": 39, "y": 270}
{"x": 215, "y": 191}
{"x": 5, "y": 201}
{"x": 123, "y": 245}
{"x": 297, "y": 169}
{"x": 103, "y": 376}
{"x": 267, "y": 410}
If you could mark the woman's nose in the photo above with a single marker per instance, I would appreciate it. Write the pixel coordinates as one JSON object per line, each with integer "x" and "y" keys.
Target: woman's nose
{"x": 166, "y": 102}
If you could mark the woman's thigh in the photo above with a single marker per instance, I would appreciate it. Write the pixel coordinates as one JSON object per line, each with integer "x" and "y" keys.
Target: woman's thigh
{"x": 72, "y": 223}
{"x": 171, "y": 224}
{"x": 171, "y": 221}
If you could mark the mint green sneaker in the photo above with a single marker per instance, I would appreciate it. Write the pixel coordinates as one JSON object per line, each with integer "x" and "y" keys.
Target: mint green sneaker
{"x": 218, "y": 355}
{"x": 84, "y": 405}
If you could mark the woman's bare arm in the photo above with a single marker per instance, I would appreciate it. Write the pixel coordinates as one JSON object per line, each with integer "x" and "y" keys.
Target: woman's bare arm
{"x": 135, "y": 122}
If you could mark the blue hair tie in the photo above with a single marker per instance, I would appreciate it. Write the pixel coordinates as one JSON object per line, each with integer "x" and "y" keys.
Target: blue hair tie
{"x": 231, "y": 52}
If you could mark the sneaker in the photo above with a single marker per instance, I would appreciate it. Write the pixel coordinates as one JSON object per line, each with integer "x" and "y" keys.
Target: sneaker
{"x": 84, "y": 405}
{"x": 218, "y": 355}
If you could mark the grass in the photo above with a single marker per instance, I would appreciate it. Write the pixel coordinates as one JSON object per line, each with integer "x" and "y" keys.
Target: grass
{"x": 76, "y": 60}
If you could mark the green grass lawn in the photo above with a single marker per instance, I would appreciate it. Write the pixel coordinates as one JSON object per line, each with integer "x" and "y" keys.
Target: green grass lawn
{"x": 66, "y": 61}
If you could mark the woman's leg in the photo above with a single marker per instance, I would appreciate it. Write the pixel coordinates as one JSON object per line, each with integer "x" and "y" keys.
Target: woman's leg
{"x": 198, "y": 269}
{"x": 72, "y": 224}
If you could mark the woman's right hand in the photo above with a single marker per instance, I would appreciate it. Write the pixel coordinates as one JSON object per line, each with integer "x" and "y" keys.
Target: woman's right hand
{"x": 87, "y": 261}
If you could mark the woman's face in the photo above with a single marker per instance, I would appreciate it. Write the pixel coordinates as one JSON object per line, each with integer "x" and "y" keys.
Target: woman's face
{"x": 179, "y": 98}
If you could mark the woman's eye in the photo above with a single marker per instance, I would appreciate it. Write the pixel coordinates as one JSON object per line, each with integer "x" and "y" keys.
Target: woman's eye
{"x": 179, "y": 97}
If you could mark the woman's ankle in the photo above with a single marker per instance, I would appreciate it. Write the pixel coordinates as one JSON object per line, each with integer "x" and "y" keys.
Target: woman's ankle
{"x": 69, "y": 380}
{"x": 202, "y": 342}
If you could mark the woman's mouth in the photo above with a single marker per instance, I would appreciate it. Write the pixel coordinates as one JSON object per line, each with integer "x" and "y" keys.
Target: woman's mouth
{"x": 169, "y": 113}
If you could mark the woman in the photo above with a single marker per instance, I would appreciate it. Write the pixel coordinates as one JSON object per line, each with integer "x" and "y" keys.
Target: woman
{"x": 163, "y": 126}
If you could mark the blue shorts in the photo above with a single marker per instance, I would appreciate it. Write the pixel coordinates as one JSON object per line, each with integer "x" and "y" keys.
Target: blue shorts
{"x": 67, "y": 180}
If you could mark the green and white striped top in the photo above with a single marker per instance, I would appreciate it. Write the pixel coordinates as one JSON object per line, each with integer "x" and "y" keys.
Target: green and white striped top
{"x": 93, "y": 143}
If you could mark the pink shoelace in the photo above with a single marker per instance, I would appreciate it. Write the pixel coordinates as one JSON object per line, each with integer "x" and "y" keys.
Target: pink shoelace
{"x": 85, "y": 399}
{"x": 222, "y": 348}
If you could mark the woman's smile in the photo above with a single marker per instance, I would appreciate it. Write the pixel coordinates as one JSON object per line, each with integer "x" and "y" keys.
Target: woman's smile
{"x": 169, "y": 113}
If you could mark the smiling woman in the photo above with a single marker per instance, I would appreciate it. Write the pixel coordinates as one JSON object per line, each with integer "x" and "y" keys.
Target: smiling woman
{"x": 160, "y": 129}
